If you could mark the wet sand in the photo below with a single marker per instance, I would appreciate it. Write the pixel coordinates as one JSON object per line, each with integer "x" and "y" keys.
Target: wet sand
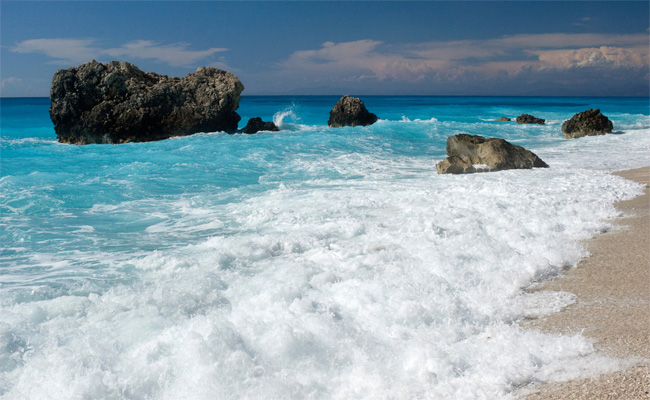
{"x": 612, "y": 286}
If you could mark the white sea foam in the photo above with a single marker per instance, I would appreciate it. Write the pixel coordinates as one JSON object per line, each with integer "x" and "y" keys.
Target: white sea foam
{"x": 27, "y": 141}
{"x": 417, "y": 120}
{"x": 606, "y": 152}
{"x": 375, "y": 289}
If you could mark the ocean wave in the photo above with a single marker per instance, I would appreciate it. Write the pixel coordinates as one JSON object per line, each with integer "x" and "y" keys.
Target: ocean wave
{"x": 27, "y": 141}
{"x": 417, "y": 120}
{"x": 415, "y": 273}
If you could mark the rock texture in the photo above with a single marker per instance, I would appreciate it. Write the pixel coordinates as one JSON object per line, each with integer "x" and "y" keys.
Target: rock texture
{"x": 529, "y": 119}
{"x": 470, "y": 153}
{"x": 350, "y": 111}
{"x": 587, "y": 123}
{"x": 256, "y": 124}
{"x": 118, "y": 103}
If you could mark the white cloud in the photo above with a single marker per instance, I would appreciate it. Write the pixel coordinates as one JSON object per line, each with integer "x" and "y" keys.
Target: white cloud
{"x": 466, "y": 59}
{"x": 22, "y": 87}
{"x": 604, "y": 56}
{"x": 355, "y": 60}
{"x": 509, "y": 46}
{"x": 10, "y": 81}
{"x": 331, "y": 52}
{"x": 222, "y": 65}
{"x": 175, "y": 54}
{"x": 583, "y": 22}
{"x": 564, "y": 40}
{"x": 335, "y": 57}
{"x": 75, "y": 51}
{"x": 63, "y": 50}
{"x": 8, "y": 86}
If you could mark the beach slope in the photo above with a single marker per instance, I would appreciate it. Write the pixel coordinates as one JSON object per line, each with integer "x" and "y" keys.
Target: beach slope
{"x": 612, "y": 286}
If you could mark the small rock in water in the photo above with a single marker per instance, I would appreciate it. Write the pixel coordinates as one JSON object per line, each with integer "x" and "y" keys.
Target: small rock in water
{"x": 350, "y": 111}
{"x": 256, "y": 124}
{"x": 587, "y": 123}
{"x": 529, "y": 119}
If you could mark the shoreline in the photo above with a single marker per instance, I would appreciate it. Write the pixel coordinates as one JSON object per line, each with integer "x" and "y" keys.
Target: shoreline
{"x": 612, "y": 308}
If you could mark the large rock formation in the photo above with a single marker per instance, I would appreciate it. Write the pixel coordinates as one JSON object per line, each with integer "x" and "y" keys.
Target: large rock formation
{"x": 350, "y": 111}
{"x": 529, "y": 119}
{"x": 587, "y": 123}
{"x": 470, "y": 153}
{"x": 256, "y": 124}
{"x": 118, "y": 103}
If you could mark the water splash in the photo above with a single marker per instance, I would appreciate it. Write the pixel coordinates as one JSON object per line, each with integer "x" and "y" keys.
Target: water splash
{"x": 288, "y": 113}
{"x": 418, "y": 120}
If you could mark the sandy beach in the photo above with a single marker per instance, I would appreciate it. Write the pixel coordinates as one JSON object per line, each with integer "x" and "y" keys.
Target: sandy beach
{"x": 612, "y": 286}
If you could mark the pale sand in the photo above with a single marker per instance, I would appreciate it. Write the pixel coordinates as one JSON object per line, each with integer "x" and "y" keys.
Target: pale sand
{"x": 612, "y": 307}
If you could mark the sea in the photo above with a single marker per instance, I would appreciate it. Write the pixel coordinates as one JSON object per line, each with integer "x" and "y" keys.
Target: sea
{"x": 309, "y": 263}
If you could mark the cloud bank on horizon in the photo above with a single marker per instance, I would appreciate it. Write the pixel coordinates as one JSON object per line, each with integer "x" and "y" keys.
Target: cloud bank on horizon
{"x": 477, "y": 59}
{"x": 537, "y": 63}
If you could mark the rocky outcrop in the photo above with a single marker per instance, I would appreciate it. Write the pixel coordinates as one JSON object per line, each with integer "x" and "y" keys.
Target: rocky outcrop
{"x": 118, "y": 103}
{"x": 529, "y": 119}
{"x": 350, "y": 111}
{"x": 470, "y": 153}
{"x": 256, "y": 124}
{"x": 503, "y": 119}
{"x": 587, "y": 123}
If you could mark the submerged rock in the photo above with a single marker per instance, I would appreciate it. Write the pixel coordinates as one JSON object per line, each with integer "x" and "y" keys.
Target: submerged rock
{"x": 118, "y": 103}
{"x": 470, "y": 153}
{"x": 587, "y": 123}
{"x": 529, "y": 119}
{"x": 503, "y": 119}
{"x": 350, "y": 111}
{"x": 256, "y": 124}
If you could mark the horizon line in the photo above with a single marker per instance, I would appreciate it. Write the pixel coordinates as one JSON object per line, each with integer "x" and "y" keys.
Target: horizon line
{"x": 395, "y": 95}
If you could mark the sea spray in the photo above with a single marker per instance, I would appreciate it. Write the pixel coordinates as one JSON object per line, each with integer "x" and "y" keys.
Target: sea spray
{"x": 288, "y": 113}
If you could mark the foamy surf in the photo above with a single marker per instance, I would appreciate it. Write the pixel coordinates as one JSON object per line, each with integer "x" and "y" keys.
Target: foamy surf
{"x": 320, "y": 263}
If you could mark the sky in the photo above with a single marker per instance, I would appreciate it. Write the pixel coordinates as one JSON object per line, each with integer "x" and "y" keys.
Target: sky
{"x": 494, "y": 48}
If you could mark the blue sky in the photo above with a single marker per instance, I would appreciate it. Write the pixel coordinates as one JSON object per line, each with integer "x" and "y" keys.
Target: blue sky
{"x": 329, "y": 47}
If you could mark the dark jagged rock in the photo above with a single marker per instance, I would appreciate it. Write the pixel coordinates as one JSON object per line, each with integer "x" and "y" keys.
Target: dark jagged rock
{"x": 503, "y": 119}
{"x": 350, "y": 111}
{"x": 587, "y": 123}
{"x": 529, "y": 119}
{"x": 256, "y": 124}
{"x": 470, "y": 153}
{"x": 118, "y": 103}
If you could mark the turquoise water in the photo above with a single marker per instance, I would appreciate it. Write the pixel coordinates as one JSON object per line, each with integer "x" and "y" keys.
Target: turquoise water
{"x": 307, "y": 263}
